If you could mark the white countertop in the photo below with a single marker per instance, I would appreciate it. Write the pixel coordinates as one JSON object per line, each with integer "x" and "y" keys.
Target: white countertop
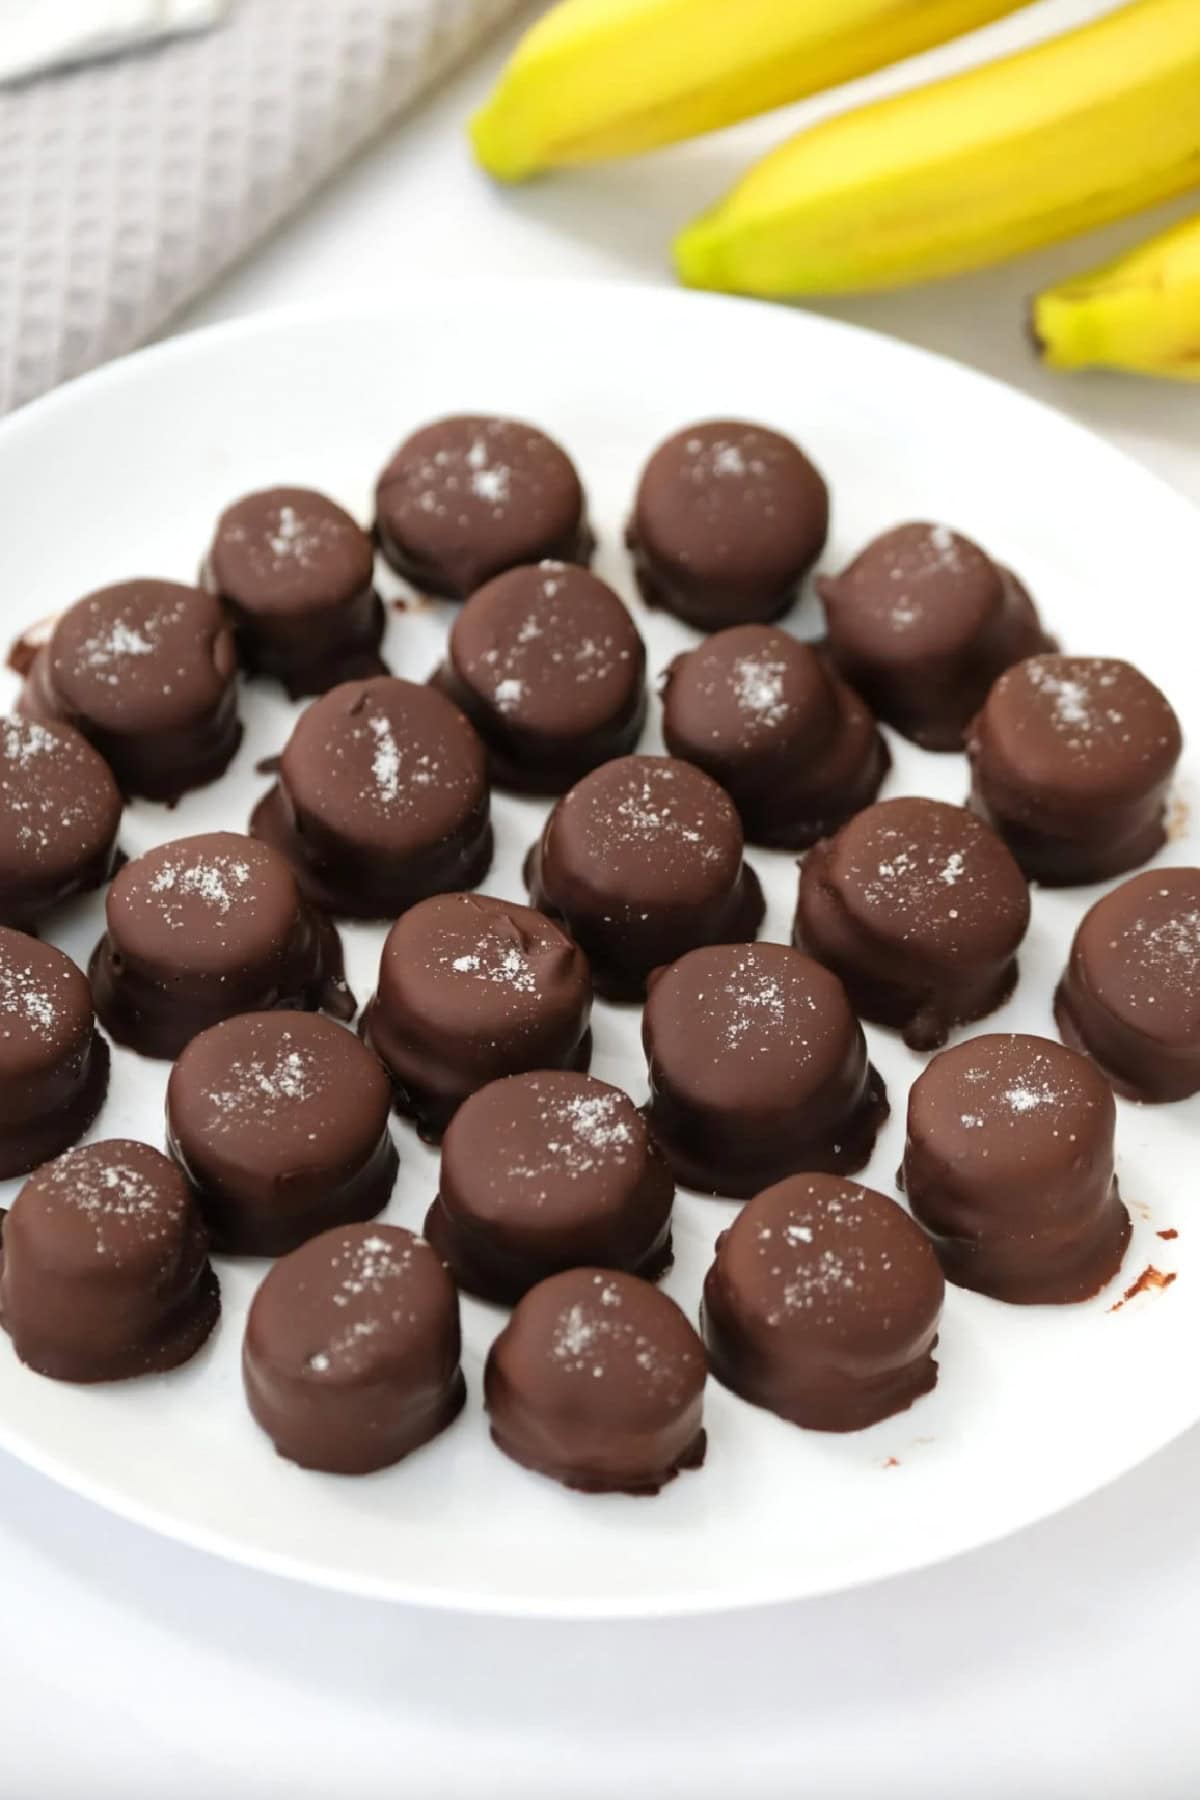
{"x": 1056, "y": 1665}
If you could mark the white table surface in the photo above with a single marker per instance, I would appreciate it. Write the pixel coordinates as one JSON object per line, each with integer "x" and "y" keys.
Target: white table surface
{"x": 1056, "y": 1665}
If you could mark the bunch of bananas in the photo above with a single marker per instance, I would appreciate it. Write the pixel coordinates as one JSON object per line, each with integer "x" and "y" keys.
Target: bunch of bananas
{"x": 1077, "y": 130}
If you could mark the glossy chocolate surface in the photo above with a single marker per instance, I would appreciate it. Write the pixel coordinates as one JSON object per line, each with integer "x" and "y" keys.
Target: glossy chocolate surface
{"x": 642, "y": 861}
{"x": 104, "y": 1270}
{"x": 823, "y": 1304}
{"x": 280, "y": 1122}
{"x": 727, "y": 520}
{"x": 920, "y": 909}
{"x": 598, "y": 1381}
{"x": 758, "y": 1069}
{"x": 205, "y": 927}
{"x": 60, "y": 810}
{"x": 795, "y": 748}
{"x": 1008, "y": 1165}
{"x": 550, "y": 669}
{"x": 53, "y": 1062}
{"x": 544, "y": 1172}
{"x": 472, "y": 988}
{"x": 296, "y": 575}
{"x": 146, "y": 671}
{"x": 351, "y": 1354}
{"x": 921, "y": 623}
{"x": 1130, "y": 994}
{"x": 467, "y": 497}
{"x": 382, "y": 799}
{"x": 1071, "y": 761}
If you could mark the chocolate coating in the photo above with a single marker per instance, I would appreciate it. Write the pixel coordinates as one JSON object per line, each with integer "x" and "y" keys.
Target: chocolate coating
{"x": 104, "y": 1270}
{"x": 205, "y": 927}
{"x": 1130, "y": 995}
{"x": 921, "y": 623}
{"x": 1008, "y": 1165}
{"x": 920, "y": 909}
{"x": 296, "y": 575}
{"x": 53, "y": 1061}
{"x": 470, "y": 496}
{"x": 60, "y": 810}
{"x": 549, "y": 667}
{"x": 728, "y": 519}
{"x": 544, "y": 1172}
{"x": 280, "y": 1122}
{"x": 598, "y": 1381}
{"x": 146, "y": 671}
{"x": 382, "y": 799}
{"x": 758, "y": 1069}
{"x": 642, "y": 860}
{"x": 793, "y": 746}
{"x": 823, "y": 1304}
{"x": 351, "y": 1355}
{"x": 1071, "y": 759}
{"x": 472, "y": 988}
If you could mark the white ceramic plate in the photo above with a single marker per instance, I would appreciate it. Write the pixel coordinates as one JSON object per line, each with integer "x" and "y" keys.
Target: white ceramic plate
{"x": 123, "y": 474}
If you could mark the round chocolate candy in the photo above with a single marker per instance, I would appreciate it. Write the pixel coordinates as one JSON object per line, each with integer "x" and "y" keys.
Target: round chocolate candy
{"x": 470, "y": 496}
{"x": 351, "y": 1355}
{"x": 758, "y": 1069}
{"x": 296, "y": 575}
{"x": 1130, "y": 995}
{"x": 642, "y": 860}
{"x": 472, "y": 988}
{"x": 598, "y": 1381}
{"x": 280, "y": 1122}
{"x": 792, "y": 745}
{"x": 53, "y": 1061}
{"x": 920, "y": 909}
{"x": 146, "y": 671}
{"x": 104, "y": 1269}
{"x": 548, "y": 666}
{"x": 823, "y": 1304}
{"x": 728, "y": 519}
{"x": 1008, "y": 1165}
{"x": 59, "y": 813}
{"x": 382, "y": 799}
{"x": 545, "y": 1172}
{"x": 921, "y": 623}
{"x": 1071, "y": 759}
{"x": 205, "y": 927}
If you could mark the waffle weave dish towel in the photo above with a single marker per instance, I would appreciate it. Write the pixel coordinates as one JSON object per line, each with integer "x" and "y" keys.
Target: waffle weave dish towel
{"x": 126, "y": 186}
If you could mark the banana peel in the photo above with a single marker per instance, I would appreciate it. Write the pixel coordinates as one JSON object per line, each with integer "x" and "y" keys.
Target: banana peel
{"x": 595, "y": 79}
{"x": 1139, "y": 312}
{"x": 1083, "y": 128}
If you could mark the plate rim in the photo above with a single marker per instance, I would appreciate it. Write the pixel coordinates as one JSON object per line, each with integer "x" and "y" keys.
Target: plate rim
{"x": 376, "y": 304}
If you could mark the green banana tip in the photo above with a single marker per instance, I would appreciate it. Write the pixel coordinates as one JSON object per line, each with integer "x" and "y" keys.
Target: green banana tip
{"x": 697, "y": 255}
{"x": 493, "y": 150}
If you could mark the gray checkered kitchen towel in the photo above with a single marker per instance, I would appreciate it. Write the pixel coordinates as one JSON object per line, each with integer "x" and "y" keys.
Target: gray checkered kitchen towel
{"x": 126, "y": 186}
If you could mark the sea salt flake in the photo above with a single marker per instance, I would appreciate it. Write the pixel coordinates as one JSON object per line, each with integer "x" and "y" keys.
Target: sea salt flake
{"x": 758, "y": 688}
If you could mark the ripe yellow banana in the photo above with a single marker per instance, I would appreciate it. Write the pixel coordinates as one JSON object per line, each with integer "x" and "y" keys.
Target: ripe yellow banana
{"x": 1140, "y": 312}
{"x": 1086, "y": 127}
{"x": 602, "y": 78}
